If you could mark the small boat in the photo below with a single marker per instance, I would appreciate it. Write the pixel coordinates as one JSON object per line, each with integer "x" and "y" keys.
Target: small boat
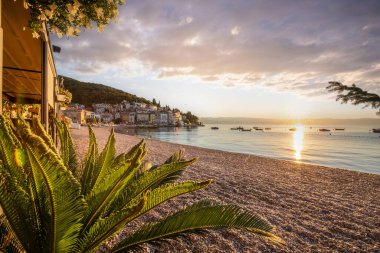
{"x": 214, "y": 128}
{"x": 246, "y": 130}
{"x": 292, "y": 129}
{"x": 376, "y": 130}
{"x": 268, "y": 128}
{"x": 324, "y": 130}
{"x": 339, "y": 129}
{"x": 259, "y": 129}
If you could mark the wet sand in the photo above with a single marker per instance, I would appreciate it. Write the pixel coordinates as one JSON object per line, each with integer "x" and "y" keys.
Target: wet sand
{"x": 314, "y": 208}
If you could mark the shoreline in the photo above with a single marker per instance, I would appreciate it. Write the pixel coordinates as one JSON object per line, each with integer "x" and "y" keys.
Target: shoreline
{"x": 247, "y": 153}
{"x": 314, "y": 208}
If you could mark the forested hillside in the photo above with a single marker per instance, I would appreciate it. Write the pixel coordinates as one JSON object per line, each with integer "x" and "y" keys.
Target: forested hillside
{"x": 89, "y": 93}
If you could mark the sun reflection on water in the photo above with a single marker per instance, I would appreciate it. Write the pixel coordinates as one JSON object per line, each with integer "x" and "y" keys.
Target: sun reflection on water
{"x": 298, "y": 137}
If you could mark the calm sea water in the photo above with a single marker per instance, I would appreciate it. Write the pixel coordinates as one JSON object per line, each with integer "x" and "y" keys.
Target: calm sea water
{"x": 355, "y": 148}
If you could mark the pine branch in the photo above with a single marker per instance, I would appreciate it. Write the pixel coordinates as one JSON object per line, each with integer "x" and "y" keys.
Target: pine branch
{"x": 355, "y": 95}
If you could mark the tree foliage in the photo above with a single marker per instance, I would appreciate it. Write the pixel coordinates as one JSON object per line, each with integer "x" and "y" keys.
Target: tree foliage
{"x": 355, "y": 95}
{"x": 191, "y": 118}
{"x": 70, "y": 17}
{"x": 91, "y": 93}
{"x": 51, "y": 204}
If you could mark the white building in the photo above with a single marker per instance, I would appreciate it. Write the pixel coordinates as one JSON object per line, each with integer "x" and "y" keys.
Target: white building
{"x": 125, "y": 105}
{"x": 142, "y": 117}
{"x": 101, "y": 108}
{"x": 106, "y": 117}
{"x": 163, "y": 118}
{"x": 132, "y": 118}
{"x": 174, "y": 118}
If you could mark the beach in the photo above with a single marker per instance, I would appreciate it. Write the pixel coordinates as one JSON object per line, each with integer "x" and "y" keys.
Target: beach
{"x": 314, "y": 208}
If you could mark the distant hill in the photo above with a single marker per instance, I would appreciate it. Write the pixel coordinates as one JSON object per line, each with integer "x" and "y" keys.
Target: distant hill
{"x": 89, "y": 93}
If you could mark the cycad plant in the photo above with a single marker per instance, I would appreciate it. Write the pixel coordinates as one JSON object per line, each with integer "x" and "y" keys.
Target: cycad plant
{"x": 52, "y": 204}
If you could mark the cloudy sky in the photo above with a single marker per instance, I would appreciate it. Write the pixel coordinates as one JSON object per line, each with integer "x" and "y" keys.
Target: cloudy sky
{"x": 252, "y": 58}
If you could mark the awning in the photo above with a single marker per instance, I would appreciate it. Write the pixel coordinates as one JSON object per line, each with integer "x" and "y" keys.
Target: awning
{"x": 21, "y": 55}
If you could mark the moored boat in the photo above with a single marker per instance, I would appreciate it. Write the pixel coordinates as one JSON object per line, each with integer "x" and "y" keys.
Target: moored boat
{"x": 268, "y": 128}
{"x": 324, "y": 130}
{"x": 376, "y": 130}
{"x": 246, "y": 129}
{"x": 339, "y": 129}
{"x": 214, "y": 128}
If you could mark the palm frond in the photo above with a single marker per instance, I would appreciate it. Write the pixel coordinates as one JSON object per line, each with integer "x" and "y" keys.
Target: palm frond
{"x": 168, "y": 191}
{"x": 176, "y": 157}
{"x": 10, "y": 148}
{"x": 105, "y": 192}
{"x": 105, "y": 160}
{"x": 199, "y": 216}
{"x": 68, "y": 154}
{"x": 38, "y": 129}
{"x": 146, "y": 181}
{"x": 8, "y": 239}
{"x": 101, "y": 230}
{"x": 63, "y": 191}
{"x": 15, "y": 204}
{"x": 90, "y": 163}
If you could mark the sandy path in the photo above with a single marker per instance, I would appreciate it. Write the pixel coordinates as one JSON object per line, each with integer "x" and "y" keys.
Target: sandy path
{"x": 314, "y": 208}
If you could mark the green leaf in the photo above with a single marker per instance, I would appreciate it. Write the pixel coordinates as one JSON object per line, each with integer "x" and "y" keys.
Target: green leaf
{"x": 104, "y": 228}
{"x": 104, "y": 161}
{"x": 67, "y": 147}
{"x": 39, "y": 130}
{"x": 20, "y": 157}
{"x": 16, "y": 204}
{"x": 169, "y": 191}
{"x": 8, "y": 239}
{"x": 146, "y": 181}
{"x": 63, "y": 191}
{"x": 103, "y": 195}
{"x": 88, "y": 179}
{"x": 199, "y": 216}
{"x": 8, "y": 146}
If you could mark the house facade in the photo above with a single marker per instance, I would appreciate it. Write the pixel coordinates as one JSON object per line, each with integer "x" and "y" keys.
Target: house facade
{"x": 27, "y": 70}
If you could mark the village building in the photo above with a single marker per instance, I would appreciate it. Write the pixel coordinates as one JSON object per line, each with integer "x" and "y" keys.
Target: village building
{"x": 142, "y": 117}
{"x": 117, "y": 115}
{"x": 106, "y": 117}
{"x": 152, "y": 118}
{"x": 125, "y": 105}
{"x": 162, "y": 118}
{"x": 132, "y": 118}
{"x": 76, "y": 116}
{"x": 101, "y": 108}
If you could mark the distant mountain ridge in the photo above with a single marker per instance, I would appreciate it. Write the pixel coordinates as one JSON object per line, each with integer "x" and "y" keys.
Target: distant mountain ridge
{"x": 258, "y": 121}
{"x": 89, "y": 93}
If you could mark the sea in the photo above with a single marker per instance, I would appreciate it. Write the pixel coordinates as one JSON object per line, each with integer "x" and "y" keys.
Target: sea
{"x": 353, "y": 147}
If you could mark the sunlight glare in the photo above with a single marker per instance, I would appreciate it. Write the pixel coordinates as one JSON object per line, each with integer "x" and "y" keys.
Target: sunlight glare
{"x": 298, "y": 137}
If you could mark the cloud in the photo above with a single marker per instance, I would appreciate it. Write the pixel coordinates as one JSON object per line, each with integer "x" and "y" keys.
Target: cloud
{"x": 235, "y": 30}
{"x": 293, "y": 46}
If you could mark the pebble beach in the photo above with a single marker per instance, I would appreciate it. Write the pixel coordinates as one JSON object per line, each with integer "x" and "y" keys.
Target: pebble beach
{"x": 314, "y": 208}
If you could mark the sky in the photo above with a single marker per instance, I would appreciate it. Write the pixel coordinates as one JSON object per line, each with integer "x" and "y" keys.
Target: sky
{"x": 235, "y": 58}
